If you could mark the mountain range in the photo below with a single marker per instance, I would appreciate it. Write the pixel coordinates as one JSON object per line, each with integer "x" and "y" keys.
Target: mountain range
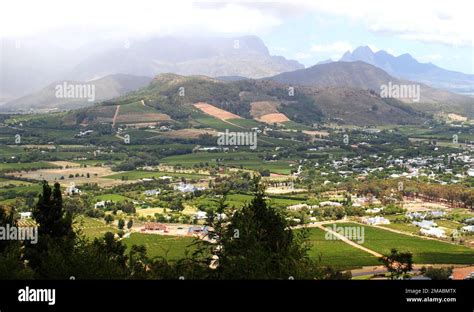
{"x": 407, "y": 67}
{"x": 243, "y": 56}
{"x": 231, "y": 73}
{"x": 361, "y": 75}
{"x": 35, "y": 64}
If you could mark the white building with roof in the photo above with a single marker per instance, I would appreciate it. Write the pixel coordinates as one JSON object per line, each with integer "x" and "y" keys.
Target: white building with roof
{"x": 468, "y": 229}
{"x": 426, "y": 224}
{"x": 376, "y": 220}
{"x": 436, "y": 232}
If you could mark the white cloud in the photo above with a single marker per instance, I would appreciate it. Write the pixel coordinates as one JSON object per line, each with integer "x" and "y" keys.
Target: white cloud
{"x": 335, "y": 49}
{"x": 139, "y": 17}
{"x": 434, "y": 21}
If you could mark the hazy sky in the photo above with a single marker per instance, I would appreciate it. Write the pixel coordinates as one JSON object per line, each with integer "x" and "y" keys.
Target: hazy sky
{"x": 437, "y": 31}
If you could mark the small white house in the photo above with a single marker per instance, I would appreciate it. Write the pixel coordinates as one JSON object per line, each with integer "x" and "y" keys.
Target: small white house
{"x": 200, "y": 215}
{"x": 414, "y": 215}
{"x": 436, "y": 232}
{"x": 425, "y": 224}
{"x": 151, "y": 192}
{"x": 469, "y": 221}
{"x": 187, "y": 188}
{"x": 470, "y": 172}
{"x": 376, "y": 220}
{"x": 468, "y": 229}
{"x": 330, "y": 203}
{"x": 374, "y": 210}
{"x": 26, "y": 215}
{"x": 102, "y": 204}
{"x": 71, "y": 190}
{"x": 437, "y": 214}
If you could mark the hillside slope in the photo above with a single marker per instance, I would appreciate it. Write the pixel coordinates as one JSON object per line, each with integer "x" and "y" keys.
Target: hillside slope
{"x": 263, "y": 100}
{"x": 360, "y": 75}
{"x": 105, "y": 88}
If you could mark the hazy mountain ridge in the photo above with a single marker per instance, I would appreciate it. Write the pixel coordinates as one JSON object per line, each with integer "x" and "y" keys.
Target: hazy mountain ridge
{"x": 407, "y": 67}
{"x": 361, "y": 75}
{"x": 105, "y": 88}
{"x": 243, "y": 56}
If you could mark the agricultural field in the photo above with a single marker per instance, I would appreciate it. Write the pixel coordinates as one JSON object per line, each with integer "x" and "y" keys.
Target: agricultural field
{"x": 337, "y": 253}
{"x": 92, "y": 228}
{"x": 425, "y": 251}
{"x": 246, "y": 160}
{"x": 4, "y": 182}
{"x": 26, "y": 166}
{"x": 137, "y": 175}
{"x": 76, "y": 175}
{"x": 116, "y": 198}
{"x": 166, "y": 246}
{"x": 245, "y": 123}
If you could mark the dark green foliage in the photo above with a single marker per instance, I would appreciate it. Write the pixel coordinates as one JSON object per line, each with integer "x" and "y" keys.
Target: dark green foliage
{"x": 49, "y": 213}
{"x": 257, "y": 243}
{"x": 398, "y": 264}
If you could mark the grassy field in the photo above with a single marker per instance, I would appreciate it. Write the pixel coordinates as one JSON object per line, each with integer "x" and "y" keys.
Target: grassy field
{"x": 26, "y": 166}
{"x": 169, "y": 247}
{"x": 149, "y": 211}
{"x": 136, "y": 108}
{"x": 136, "y": 175}
{"x": 18, "y": 191}
{"x": 4, "y": 182}
{"x": 426, "y": 251}
{"x": 246, "y": 123}
{"x": 116, "y": 198}
{"x": 219, "y": 125}
{"x": 92, "y": 228}
{"x": 247, "y": 160}
{"x": 403, "y": 227}
{"x": 337, "y": 253}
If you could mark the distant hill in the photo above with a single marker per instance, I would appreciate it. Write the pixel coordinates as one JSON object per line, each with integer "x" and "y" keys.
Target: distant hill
{"x": 105, "y": 88}
{"x": 407, "y": 67}
{"x": 360, "y": 75}
{"x": 210, "y": 56}
{"x": 176, "y": 96}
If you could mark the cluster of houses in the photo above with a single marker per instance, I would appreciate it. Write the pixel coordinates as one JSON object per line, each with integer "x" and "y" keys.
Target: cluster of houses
{"x": 424, "y": 221}
{"x": 431, "y": 167}
{"x": 187, "y": 188}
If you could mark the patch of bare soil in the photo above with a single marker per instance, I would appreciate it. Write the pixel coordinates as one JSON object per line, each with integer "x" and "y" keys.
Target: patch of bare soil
{"x": 215, "y": 111}
{"x": 273, "y": 118}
